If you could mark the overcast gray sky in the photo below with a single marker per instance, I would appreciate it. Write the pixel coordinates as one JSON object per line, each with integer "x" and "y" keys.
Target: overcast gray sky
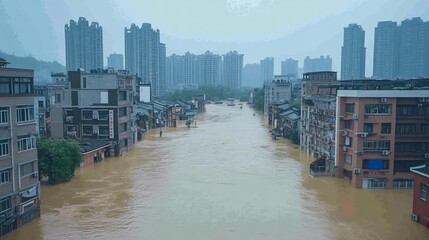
{"x": 256, "y": 28}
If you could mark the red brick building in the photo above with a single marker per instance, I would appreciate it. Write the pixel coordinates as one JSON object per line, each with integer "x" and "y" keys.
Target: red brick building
{"x": 421, "y": 195}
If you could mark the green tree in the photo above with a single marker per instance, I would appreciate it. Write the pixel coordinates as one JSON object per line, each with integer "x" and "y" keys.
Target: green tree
{"x": 258, "y": 99}
{"x": 58, "y": 158}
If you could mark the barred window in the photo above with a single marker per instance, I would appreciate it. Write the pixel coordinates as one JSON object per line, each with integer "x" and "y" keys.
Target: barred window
{"x": 25, "y": 113}
{"x": 26, "y": 143}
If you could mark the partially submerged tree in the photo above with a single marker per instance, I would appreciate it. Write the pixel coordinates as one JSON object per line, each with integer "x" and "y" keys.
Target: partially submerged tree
{"x": 58, "y": 158}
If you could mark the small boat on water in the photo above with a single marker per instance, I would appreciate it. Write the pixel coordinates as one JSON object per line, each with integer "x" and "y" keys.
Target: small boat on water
{"x": 230, "y": 104}
{"x": 218, "y": 102}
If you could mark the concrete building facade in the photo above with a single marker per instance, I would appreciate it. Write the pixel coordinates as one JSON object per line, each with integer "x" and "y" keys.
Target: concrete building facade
{"x": 380, "y": 135}
{"x": 353, "y": 53}
{"x": 289, "y": 67}
{"x": 267, "y": 69}
{"x": 101, "y": 108}
{"x": 232, "y": 69}
{"x": 115, "y": 61}
{"x": 145, "y": 56}
{"x": 277, "y": 90}
{"x": 317, "y": 64}
{"x": 84, "y": 45}
{"x": 19, "y": 180}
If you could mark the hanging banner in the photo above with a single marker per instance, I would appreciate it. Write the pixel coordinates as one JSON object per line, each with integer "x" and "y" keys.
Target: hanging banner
{"x": 111, "y": 128}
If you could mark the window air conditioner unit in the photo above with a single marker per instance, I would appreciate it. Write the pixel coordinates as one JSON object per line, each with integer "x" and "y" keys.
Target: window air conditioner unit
{"x": 383, "y": 100}
{"x": 344, "y": 149}
{"x": 35, "y": 174}
{"x": 385, "y": 152}
{"x": 426, "y": 155}
{"x": 422, "y": 99}
{"x": 94, "y": 116}
{"x": 359, "y": 152}
{"x": 356, "y": 170}
{"x": 364, "y": 134}
{"x": 355, "y": 116}
{"x": 415, "y": 217}
{"x": 95, "y": 132}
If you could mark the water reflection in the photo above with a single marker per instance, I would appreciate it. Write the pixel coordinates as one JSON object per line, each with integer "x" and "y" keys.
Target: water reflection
{"x": 225, "y": 179}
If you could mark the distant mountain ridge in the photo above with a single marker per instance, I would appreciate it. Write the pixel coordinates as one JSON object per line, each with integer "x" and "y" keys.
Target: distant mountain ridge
{"x": 42, "y": 69}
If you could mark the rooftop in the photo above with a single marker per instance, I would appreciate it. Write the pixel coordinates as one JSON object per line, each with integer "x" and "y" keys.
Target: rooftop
{"x": 421, "y": 170}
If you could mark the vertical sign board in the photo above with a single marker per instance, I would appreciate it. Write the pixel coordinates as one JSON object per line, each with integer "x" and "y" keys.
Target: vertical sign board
{"x": 111, "y": 128}
{"x": 145, "y": 93}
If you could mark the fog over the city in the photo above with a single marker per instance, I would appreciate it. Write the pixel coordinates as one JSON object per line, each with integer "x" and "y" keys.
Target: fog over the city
{"x": 256, "y": 28}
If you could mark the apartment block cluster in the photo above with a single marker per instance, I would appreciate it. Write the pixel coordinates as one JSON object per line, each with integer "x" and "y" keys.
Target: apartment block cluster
{"x": 400, "y": 51}
{"x": 190, "y": 71}
{"x": 255, "y": 75}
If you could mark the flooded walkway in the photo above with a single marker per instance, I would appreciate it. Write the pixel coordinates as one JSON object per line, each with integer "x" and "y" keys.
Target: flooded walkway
{"x": 225, "y": 179}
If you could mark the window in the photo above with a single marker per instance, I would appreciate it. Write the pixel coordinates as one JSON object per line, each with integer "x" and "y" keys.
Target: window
{"x": 25, "y": 113}
{"x": 347, "y": 141}
{"x": 423, "y": 191}
{"x": 4, "y": 115}
{"x": 405, "y": 128}
{"x": 103, "y": 115}
{"x": 5, "y": 204}
{"x": 348, "y": 159}
{"x": 376, "y": 145}
{"x": 406, "y": 110}
{"x": 4, "y": 148}
{"x": 405, "y": 165}
{"x": 376, "y": 164}
{"x": 122, "y": 112}
{"x": 22, "y": 86}
{"x": 424, "y": 128}
{"x": 104, "y": 97}
{"x": 347, "y": 124}
{"x": 5, "y": 176}
{"x": 70, "y": 128}
{"x": 26, "y": 142}
{"x": 103, "y": 130}
{"x": 87, "y": 115}
{"x": 368, "y": 127}
{"x": 26, "y": 169}
{"x": 58, "y": 98}
{"x": 347, "y": 173}
{"x": 376, "y": 109}
{"x": 87, "y": 130}
{"x": 40, "y": 104}
{"x": 5, "y": 85}
{"x": 123, "y": 127}
{"x": 84, "y": 82}
{"x": 350, "y": 107}
{"x": 377, "y": 183}
{"x": 403, "y": 183}
{"x": 386, "y": 127}
{"x": 122, "y": 95}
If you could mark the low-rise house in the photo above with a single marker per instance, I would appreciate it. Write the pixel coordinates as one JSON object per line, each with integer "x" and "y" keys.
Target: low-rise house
{"x": 93, "y": 151}
{"x": 420, "y": 212}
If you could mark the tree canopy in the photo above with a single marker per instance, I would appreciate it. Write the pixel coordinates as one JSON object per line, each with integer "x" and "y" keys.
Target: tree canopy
{"x": 58, "y": 158}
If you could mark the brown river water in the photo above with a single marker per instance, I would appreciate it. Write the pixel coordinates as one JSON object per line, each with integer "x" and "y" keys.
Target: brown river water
{"x": 225, "y": 179}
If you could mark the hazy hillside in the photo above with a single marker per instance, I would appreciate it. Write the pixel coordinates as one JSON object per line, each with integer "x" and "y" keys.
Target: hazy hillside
{"x": 42, "y": 69}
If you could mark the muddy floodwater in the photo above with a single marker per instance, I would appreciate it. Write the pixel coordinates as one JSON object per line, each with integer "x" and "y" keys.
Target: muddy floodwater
{"x": 224, "y": 179}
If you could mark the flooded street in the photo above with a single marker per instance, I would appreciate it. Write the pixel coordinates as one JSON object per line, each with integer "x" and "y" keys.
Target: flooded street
{"x": 225, "y": 179}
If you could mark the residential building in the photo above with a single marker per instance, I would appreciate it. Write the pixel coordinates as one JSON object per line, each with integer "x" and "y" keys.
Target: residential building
{"x": 421, "y": 195}
{"x": 251, "y": 76}
{"x": 401, "y": 51}
{"x": 289, "y": 67}
{"x": 381, "y": 133}
{"x": 208, "y": 69}
{"x": 115, "y": 61}
{"x": 318, "y": 108}
{"x": 353, "y": 53}
{"x": 84, "y": 45}
{"x": 317, "y": 64}
{"x": 232, "y": 68}
{"x": 277, "y": 90}
{"x": 386, "y": 52}
{"x": 267, "y": 69}
{"x": 413, "y": 49}
{"x": 19, "y": 180}
{"x": 145, "y": 56}
{"x": 101, "y": 108}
